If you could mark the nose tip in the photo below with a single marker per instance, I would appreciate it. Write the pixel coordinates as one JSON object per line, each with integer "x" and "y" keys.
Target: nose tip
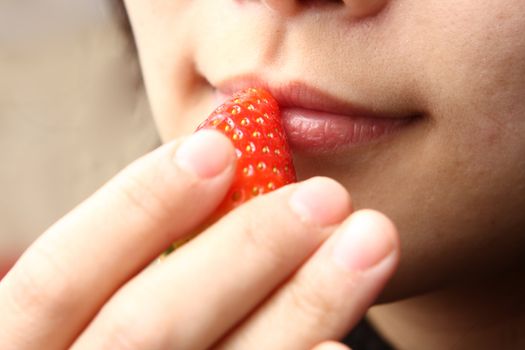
{"x": 356, "y": 8}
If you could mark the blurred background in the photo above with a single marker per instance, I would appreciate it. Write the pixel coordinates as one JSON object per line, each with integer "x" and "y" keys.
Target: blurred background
{"x": 72, "y": 110}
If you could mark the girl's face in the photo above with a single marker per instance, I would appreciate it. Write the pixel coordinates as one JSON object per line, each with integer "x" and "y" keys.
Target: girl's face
{"x": 452, "y": 178}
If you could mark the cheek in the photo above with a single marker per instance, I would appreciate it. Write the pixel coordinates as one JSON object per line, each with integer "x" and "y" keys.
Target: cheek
{"x": 465, "y": 217}
{"x": 477, "y": 99}
{"x": 161, "y": 31}
{"x": 459, "y": 198}
{"x": 476, "y": 67}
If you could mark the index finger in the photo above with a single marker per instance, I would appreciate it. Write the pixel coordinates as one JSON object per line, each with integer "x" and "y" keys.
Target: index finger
{"x": 73, "y": 268}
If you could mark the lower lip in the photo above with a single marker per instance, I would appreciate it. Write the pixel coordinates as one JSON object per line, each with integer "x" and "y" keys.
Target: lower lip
{"x": 318, "y": 132}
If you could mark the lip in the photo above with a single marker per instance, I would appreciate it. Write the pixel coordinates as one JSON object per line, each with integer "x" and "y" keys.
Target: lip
{"x": 317, "y": 123}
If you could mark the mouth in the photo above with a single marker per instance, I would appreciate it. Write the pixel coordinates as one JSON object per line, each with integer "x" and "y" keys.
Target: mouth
{"x": 317, "y": 123}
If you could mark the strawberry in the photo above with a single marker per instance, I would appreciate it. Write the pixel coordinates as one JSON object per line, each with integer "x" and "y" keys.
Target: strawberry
{"x": 252, "y": 121}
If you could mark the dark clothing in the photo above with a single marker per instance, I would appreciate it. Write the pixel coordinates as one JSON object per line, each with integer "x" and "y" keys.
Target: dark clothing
{"x": 364, "y": 337}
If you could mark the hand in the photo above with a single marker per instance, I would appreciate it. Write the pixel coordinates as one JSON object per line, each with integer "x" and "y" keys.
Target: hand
{"x": 287, "y": 270}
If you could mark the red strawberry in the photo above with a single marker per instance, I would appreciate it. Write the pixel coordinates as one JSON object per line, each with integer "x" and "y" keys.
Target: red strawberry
{"x": 252, "y": 121}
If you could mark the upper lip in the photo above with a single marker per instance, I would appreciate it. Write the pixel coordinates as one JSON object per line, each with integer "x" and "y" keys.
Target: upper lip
{"x": 298, "y": 94}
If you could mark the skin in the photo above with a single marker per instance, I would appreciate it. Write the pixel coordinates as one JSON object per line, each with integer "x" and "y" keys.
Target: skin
{"x": 445, "y": 60}
{"x": 452, "y": 183}
{"x": 88, "y": 282}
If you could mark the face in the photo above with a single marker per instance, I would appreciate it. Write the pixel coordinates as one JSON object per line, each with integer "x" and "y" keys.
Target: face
{"x": 437, "y": 86}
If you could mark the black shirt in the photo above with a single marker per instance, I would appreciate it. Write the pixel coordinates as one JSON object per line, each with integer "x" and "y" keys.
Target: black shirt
{"x": 364, "y": 337}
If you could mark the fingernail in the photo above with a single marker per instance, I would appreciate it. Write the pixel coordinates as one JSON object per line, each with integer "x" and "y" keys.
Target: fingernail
{"x": 320, "y": 201}
{"x": 364, "y": 241}
{"x": 206, "y": 154}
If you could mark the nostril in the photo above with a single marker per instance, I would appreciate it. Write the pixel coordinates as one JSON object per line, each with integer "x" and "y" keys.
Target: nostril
{"x": 284, "y": 7}
{"x": 319, "y": 3}
{"x": 364, "y": 8}
{"x": 356, "y": 8}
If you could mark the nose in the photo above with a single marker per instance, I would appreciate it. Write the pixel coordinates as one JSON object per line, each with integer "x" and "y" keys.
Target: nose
{"x": 356, "y": 8}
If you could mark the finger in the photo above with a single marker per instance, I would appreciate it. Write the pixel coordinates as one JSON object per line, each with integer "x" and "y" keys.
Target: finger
{"x": 204, "y": 288}
{"x": 331, "y": 345}
{"x": 330, "y": 293}
{"x": 72, "y": 269}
